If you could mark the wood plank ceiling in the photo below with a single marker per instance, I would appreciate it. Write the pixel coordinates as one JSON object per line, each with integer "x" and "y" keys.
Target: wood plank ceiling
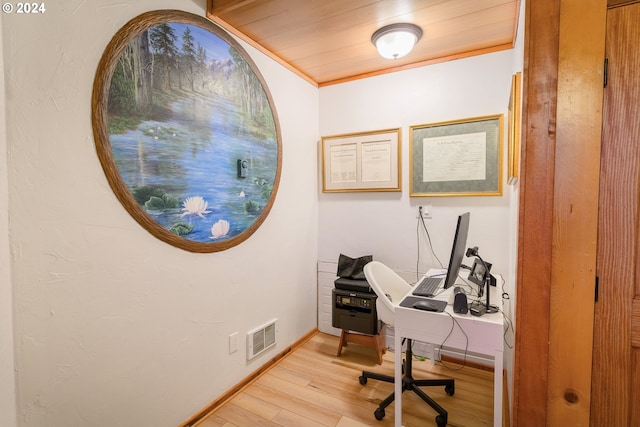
{"x": 329, "y": 41}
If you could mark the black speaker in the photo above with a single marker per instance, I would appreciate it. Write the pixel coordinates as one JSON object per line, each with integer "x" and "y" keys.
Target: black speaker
{"x": 460, "y": 301}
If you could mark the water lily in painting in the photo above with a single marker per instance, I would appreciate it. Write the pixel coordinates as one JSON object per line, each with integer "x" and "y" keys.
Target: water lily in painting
{"x": 242, "y": 193}
{"x": 219, "y": 229}
{"x": 195, "y": 206}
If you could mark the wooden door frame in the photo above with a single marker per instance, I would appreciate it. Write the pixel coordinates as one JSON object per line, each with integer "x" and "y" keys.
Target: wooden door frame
{"x": 561, "y": 128}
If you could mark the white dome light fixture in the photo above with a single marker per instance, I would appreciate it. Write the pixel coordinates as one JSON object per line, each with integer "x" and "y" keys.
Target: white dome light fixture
{"x": 396, "y": 40}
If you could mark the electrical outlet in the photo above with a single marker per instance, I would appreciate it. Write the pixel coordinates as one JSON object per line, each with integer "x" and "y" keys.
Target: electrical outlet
{"x": 243, "y": 167}
{"x": 426, "y": 211}
{"x": 233, "y": 343}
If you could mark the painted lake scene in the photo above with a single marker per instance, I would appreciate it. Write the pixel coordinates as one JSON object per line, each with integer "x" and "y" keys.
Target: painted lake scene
{"x": 192, "y": 132}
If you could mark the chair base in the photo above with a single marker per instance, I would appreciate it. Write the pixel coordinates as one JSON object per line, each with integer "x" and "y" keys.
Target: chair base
{"x": 409, "y": 383}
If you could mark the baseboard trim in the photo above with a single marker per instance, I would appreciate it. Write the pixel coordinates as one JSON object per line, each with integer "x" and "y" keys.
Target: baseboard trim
{"x": 469, "y": 363}
{"x": 211, "y": 407}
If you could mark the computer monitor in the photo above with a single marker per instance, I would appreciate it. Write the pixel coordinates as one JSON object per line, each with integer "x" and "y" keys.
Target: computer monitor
{"x": 457, "y": 250}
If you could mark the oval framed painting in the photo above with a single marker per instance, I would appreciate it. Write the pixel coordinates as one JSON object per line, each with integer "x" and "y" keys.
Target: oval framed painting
{"x": 186, "y": 131}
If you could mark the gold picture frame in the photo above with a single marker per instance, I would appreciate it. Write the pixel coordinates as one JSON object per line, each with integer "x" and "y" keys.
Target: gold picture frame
{"x": 456, "y": 158}
{"x": 514, "y": 129}
{"x": 190, "y": 187}
{"x": 363, "y": 161}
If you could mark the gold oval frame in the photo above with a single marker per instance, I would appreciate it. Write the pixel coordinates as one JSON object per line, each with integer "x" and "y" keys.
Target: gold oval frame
{"x": 99, "y": 104}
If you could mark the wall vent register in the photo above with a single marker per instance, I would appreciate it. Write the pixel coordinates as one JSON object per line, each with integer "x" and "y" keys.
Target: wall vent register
{"x": 261, "y": 339}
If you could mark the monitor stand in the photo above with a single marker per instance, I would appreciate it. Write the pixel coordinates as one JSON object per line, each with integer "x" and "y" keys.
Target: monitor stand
{"x": 490, "y": 308}
{"x": 479, "y": 308}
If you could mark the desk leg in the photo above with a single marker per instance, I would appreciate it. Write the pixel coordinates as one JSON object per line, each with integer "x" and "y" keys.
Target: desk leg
{"x": 497, "y": 388}
{"x": 398, "y": 378}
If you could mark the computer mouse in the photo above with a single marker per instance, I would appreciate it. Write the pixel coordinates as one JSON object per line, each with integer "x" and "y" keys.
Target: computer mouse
{"x": 425, "y": 305}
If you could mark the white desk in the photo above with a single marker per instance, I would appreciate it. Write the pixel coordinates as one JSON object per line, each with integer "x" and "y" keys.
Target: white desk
{"x": 485, "y": 336}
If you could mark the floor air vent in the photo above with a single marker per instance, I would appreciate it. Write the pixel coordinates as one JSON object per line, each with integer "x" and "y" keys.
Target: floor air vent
{"x": 260, "y": 339}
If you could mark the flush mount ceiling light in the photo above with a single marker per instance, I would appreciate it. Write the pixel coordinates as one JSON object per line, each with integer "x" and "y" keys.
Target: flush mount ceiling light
{"x": 396, "y": 40}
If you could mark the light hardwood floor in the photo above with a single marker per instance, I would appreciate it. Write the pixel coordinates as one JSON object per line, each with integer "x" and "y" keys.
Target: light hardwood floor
{"x": 311, "y": 387}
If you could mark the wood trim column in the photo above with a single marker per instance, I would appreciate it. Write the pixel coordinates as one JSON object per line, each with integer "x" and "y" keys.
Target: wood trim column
{"x": 575, "y": 213}
{"x": 536, "y": 212}
{"x": 562, "y": 82}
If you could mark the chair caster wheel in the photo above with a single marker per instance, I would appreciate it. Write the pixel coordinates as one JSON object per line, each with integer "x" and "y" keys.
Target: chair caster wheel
{"x": 441, "y": 420}
{"x": 450, "y": 390}
{"x": 379, "y": 414}
{"x": 362, "y": 379}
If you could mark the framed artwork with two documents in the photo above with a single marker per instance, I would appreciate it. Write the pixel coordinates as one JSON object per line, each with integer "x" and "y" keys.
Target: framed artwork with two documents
{"x": 364, "y": 161}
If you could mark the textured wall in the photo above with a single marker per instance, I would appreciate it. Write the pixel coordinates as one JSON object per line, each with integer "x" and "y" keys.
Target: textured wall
{"x": 112, "y": 326}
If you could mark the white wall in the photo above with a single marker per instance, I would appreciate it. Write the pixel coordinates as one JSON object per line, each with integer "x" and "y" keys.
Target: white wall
{"x": 384, "y": 224}
{"x": 7, "y": 377}
{"x": 112, "y": 326}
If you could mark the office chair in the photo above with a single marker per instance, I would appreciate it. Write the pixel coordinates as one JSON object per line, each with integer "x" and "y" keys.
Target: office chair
{"x": 391, "y": 289}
